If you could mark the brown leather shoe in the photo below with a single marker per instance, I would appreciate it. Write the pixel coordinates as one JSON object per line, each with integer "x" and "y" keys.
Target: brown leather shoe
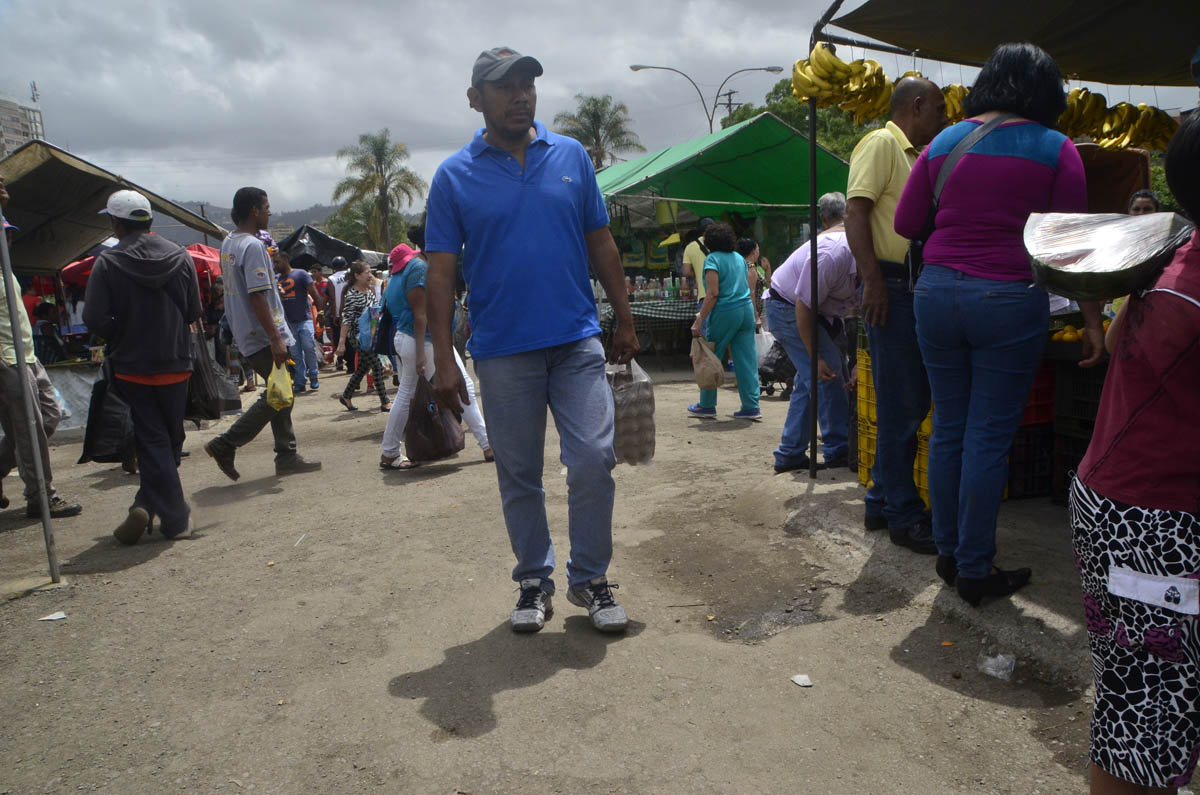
{"x": 224, "y": 460}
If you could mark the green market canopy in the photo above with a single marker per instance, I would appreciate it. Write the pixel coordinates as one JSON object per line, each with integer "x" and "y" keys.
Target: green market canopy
{"x": 755, "y": 167}
{"x": 1105, "y": 41}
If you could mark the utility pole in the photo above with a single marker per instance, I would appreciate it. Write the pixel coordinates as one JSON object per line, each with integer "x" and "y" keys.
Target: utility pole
{"x": 205, "y": 217}
{"x": 728, "y": 101}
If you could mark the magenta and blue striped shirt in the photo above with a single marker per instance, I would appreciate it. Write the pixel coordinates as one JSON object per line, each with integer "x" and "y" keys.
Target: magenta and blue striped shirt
{"x": 1019, "y": 168}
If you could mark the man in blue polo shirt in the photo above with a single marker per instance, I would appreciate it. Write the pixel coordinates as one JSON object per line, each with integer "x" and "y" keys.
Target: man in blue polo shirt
{"x": 522, "y": 205}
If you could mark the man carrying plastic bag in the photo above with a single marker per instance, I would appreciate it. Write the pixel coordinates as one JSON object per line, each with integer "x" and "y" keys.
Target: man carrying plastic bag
{"x": 521, "y": 203}
{"x": 256, "y": 318}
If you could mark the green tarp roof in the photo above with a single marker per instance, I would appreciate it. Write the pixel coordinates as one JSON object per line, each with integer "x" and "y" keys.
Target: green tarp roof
{"x": 1121, "y": 42}
{"x": 752, "y": 167}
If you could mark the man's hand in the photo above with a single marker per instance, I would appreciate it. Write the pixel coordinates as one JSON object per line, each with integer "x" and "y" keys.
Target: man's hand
{"x": 875, "y": 302}
{"x": 279, "y": 351}
{"x": 449, "y": 389}
{"x": 1093, "y": 346}
{"x": 825, "y": 372}
{"x": 852, "y": 382}
{"x": 624, "y": 344}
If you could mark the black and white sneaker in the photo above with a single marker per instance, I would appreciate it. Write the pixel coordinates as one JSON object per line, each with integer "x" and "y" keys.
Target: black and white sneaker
{"x": 596, "y": 595}
{"x": 533, "y": 607}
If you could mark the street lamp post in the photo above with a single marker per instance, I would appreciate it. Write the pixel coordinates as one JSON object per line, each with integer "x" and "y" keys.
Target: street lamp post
{"x": 708, "y": 114}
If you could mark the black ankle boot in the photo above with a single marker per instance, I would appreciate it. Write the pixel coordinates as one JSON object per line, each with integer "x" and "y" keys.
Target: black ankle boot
{"x": 998, "y": 584}
{"x": 946, "y": 568}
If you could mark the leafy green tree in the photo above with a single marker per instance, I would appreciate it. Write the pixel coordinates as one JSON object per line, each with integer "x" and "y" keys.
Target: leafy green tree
{"x": 359, "y": 223}
{"x": 836, "y": 130}
{"x": 1158, "y": 184}
{"x": 376, "y": 173}
{"x": 602, "y": 126}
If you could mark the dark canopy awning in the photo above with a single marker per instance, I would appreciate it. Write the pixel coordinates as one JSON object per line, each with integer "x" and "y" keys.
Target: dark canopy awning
{"x": 1103, "y": 41}
{"x": 56, "y": 198}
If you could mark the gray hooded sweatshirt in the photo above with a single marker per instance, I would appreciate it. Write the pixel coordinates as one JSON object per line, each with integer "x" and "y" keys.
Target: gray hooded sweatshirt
{"x": 141, "y": 298}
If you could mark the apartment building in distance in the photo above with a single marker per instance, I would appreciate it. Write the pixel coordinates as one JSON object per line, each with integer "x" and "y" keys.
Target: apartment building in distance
{"x": 19, "y": 123}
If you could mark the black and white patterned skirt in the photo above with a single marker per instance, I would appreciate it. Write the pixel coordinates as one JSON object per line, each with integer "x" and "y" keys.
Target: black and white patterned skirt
{"x": 1141, "y": 577}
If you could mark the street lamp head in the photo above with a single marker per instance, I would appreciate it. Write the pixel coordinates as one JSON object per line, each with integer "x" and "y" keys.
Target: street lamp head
{"x": 637, "y": 67}
{"x": 773, "y": 69}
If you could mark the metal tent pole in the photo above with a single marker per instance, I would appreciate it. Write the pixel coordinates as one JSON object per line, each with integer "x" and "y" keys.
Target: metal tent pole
{"x": 30, "y": 405}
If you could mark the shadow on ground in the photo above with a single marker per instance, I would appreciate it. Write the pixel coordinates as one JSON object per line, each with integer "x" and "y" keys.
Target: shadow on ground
{"x": 237, "y": 490}
{"x": 459, "y": 691}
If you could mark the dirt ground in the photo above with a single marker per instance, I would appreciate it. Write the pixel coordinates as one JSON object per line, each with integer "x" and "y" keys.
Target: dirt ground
{"x": 346, "y": 632}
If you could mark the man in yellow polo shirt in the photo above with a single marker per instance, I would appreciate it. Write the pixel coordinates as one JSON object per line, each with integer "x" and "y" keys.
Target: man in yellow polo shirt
{"x": 879, "y": 168}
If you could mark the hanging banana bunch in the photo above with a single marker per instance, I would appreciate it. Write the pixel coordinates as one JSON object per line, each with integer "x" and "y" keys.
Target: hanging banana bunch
{"x": 1123, "y": 125}
{"x": 861, "y": 88}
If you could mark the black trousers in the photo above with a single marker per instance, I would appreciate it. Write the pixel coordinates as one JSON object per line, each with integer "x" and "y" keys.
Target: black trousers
{"x": 158, "y": 435}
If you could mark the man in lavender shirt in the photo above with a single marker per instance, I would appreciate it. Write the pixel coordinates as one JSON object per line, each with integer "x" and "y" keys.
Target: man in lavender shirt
{"x": 790, "y": 306}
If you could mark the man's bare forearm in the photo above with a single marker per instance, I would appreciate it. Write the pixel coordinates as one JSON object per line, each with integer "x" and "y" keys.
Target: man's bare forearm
{"x": 439, "y": 297}
{"x": 804, "y": 323}
{"x": 862, "y": 242}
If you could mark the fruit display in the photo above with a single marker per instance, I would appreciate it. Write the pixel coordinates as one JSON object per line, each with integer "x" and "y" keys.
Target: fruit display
{"x": 633, "y": 421}
{"x": 861, "y": 88}
{"x": 1123, "y": 125}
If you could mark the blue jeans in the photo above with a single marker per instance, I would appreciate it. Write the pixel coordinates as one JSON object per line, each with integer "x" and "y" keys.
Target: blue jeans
{"x": 516, "y": 390}
{"x": 304, "y": 353}
{"x": 982, "y": 341}
{"x": 901, "y": 403}
{"x": 833, "y": 405}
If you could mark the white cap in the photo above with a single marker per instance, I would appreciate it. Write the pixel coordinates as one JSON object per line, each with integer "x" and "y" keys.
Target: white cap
{"x": 129, "y": 205}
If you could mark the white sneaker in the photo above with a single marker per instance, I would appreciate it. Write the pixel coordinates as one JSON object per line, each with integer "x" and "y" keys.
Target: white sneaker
{"x": 596, "y": 595}
{"x": 533, "y": 607}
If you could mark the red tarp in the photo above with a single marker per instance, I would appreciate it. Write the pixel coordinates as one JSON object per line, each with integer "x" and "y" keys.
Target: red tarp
{"x": 207, "y": 259}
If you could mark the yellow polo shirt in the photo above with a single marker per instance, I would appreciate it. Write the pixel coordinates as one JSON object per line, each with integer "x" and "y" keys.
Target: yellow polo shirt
{"x": 8, "y": 349}
{"x": 879, "y": 167}
{"x": 695, "y": 257}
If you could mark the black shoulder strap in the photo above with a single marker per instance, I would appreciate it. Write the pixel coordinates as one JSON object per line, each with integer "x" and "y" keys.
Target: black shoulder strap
{"x": 961, "y": 149}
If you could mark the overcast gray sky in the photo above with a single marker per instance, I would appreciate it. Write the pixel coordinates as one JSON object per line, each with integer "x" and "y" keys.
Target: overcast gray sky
{"x": 195, "y": 99}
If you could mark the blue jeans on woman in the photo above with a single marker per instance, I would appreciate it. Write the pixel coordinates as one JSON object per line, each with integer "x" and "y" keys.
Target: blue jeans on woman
{"x": 517, "y": 389}
{"x": 833, "y": 405}
{"x": 982, "y": 341}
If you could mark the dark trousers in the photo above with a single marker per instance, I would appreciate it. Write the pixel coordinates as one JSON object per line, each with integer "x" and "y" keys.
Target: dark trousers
{"x": 157, "y": 413}
{"x": 258, "y": 415}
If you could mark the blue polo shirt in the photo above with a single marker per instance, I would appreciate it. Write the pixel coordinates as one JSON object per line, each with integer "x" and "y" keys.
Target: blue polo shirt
{"x": 522, "y": 235}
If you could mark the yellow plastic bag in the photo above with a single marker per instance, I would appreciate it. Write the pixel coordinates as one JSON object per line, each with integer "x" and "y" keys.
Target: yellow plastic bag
{"x": 279, "y": 388}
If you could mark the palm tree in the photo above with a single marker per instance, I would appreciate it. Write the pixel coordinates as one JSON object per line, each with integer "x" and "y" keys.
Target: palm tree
{"x": 376, "y": 172}
{"x": 602, "y": 126}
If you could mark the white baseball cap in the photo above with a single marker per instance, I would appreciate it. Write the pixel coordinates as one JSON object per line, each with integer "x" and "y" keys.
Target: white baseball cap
{"x": 129, "y": 205}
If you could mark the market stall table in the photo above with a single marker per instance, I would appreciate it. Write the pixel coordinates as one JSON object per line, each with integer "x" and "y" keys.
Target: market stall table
{"x": 661, "y": 319}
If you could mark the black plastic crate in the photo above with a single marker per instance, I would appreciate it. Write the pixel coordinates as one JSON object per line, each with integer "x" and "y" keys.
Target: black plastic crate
{"x": 1031, "y": 462}
{"x": 1077, "y": 398}
{"x": 1068, "y": 452}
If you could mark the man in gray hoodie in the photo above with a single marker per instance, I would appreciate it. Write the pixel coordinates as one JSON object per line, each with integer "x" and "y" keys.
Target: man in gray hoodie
{"x": 141, "y": 297}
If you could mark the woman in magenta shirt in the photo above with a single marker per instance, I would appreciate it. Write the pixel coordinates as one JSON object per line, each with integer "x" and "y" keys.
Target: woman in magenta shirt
{"x": 981, "y": 323}
{"x": 1135, "y": 517}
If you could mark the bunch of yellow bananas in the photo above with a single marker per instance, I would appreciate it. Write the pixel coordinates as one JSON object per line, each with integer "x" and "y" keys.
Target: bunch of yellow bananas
{"x": 956, "y": 95}
{"x": 1123, "y": 125}
{"x": 860, "y": 87}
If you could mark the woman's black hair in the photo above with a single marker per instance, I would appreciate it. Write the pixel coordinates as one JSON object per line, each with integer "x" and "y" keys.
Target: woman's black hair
{"x": 1145, "y": 194}
{"x": 1022, "y": 79}
{"x": 44, "y": 310}
{"x": 746, "y": 245}
{"x": 719, "y": 237}
{"x": 1183, "y": 166}
{"x": 416, "y": 235}
{"x": 244, "y": 202}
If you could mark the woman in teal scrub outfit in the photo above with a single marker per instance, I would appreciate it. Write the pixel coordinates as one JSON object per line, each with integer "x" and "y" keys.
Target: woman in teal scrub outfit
{"x": 730, "y": 314}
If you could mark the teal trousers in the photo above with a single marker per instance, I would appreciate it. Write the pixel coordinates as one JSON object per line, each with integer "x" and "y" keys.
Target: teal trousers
{"x": 733, "y": 330}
